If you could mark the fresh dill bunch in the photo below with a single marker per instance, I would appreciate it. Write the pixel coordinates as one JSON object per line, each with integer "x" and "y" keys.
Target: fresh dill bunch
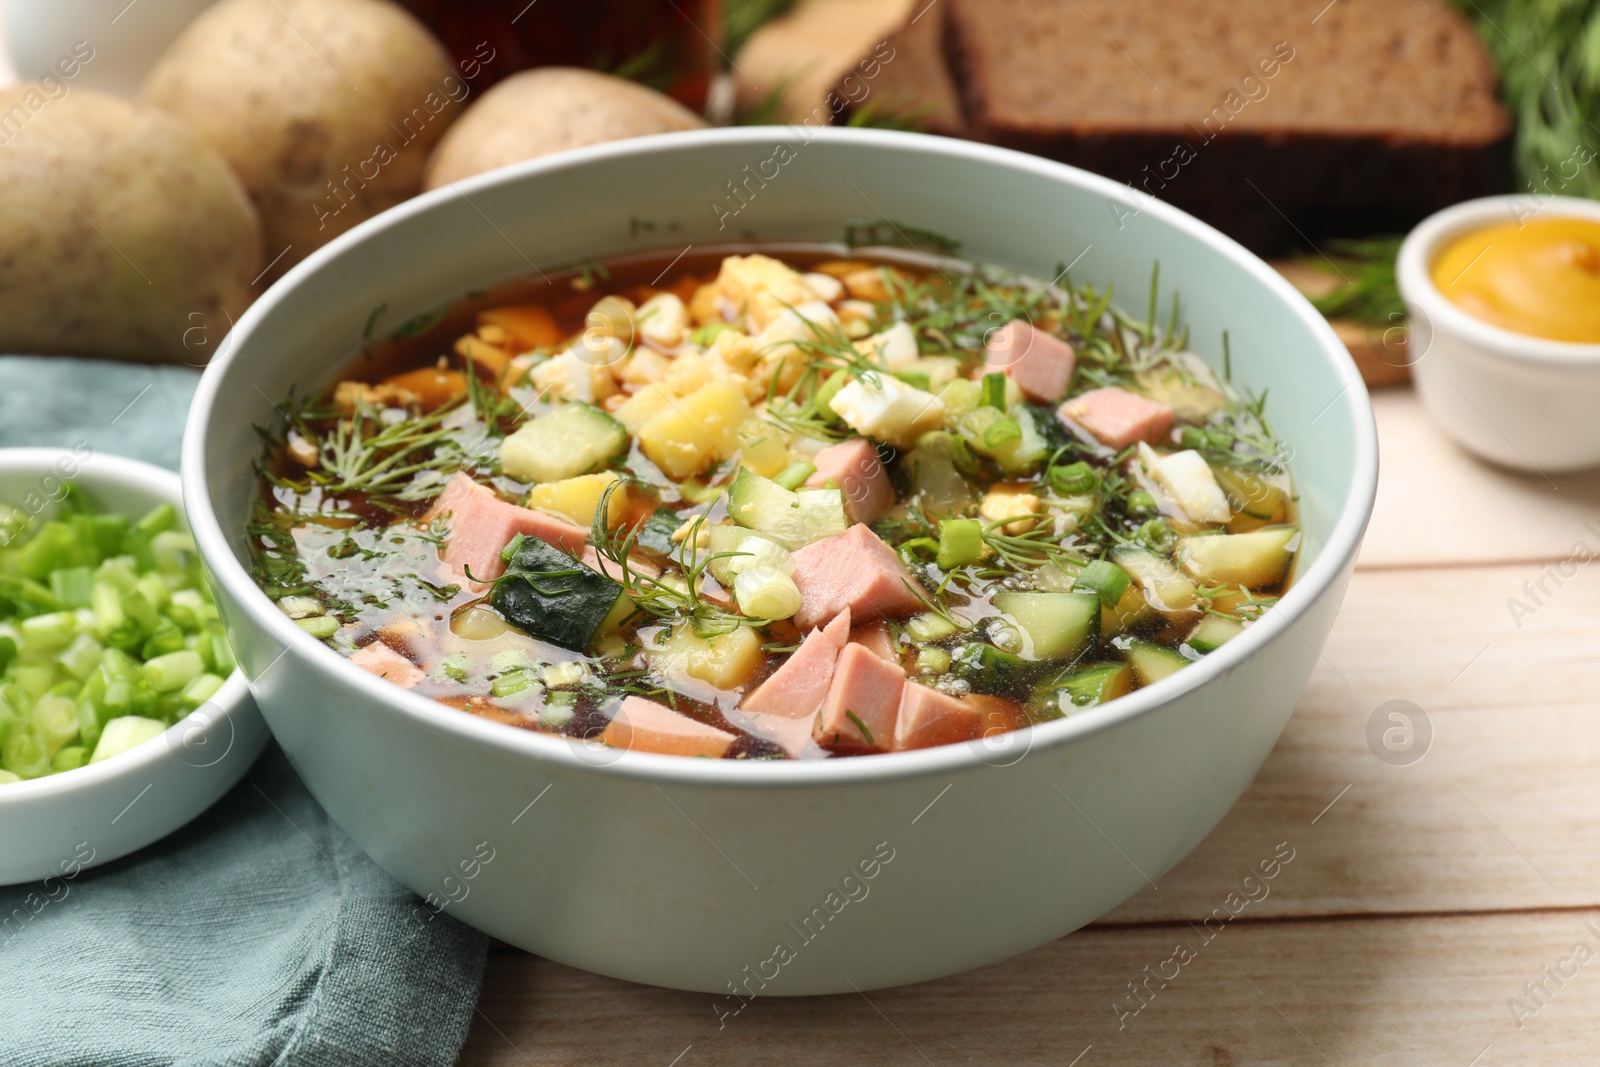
{"x": 1370, "y": 295}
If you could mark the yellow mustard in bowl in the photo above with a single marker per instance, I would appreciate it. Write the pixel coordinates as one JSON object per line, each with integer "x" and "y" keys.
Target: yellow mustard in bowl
{"x": 1540, "y": 277}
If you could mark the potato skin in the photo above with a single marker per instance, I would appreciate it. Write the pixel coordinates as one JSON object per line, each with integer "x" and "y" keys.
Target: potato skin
{"x": 326, "y": 109}
{"x": 121, "y": 233}
{"x": 551, "y": 109}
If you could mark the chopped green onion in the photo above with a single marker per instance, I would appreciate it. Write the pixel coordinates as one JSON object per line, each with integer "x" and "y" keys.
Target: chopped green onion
{"x": 994, "y": 391}
{"x": 202, "y": 689}
{"x": 126, "y": 732}
{"x": 160, "y": 519}
{"x": 54, "y": 630}
{"x": 1157, "y": 536}
{"x": 24, "y": 753}
{"x": 511, "y": 683}
{"x": 73, "y": 585}
{"x": 174, "y": 670}
{"x": 795, "y": 474}
{"x": 321, "y": 627}
{"x": 55, "y": 719}
{"x": 1001, "y": 430}
{"x": 300, "y": 607}
{"x": 69, "y": 759}
{"x": 1105, "y": 579}
{"x": 1141, "y": 502}
{"x": 932, "y": 661}
{"x": 960, "y": 543}
{"x": 1072, "y": 479}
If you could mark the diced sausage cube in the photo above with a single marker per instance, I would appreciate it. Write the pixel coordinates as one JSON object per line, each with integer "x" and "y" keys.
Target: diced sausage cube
{"x": 782, "y": 708}
{"x": 853, "y": 468}
{"x": 928, "y": 717}
{"x": 386, "y": 663}
{"x": 859, "y": 711}
{"x": 853, "y": 570}
{"x": 1116, "y": 417}
{"x": 874, "y": 637}
{"x": 481, "y": 524}
{"x": 1040, "y": 363}
{"x": 642, "y": 725}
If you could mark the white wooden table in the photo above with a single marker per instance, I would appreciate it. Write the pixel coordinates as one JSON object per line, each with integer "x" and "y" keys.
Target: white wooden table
{"x": 1421, "y": 898}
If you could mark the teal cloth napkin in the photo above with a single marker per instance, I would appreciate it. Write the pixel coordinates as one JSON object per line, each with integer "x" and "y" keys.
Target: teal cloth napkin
{"x": 256, "y": 935}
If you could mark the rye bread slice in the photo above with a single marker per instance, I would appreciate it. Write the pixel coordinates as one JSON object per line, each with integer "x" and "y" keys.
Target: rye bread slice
{"x": 1241, "y": 112}
{"x": 915, "y": 81}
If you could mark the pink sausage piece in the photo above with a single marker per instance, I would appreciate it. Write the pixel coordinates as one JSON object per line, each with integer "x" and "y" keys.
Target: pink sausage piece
{"x": 855, "y": 571}
{"x": 1118, "y": 418}
{"x": 1040, "y": 363}
{"x": 853, "y": 468}
{"x": 642, "y": 725}
{"x": 859, "y": 711}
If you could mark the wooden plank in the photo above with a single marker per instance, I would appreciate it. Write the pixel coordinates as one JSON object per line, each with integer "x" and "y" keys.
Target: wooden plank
{"x": 1486, "y": 820}
{"x": 1437, "y": 504}
{"x": 1411, "y": 991}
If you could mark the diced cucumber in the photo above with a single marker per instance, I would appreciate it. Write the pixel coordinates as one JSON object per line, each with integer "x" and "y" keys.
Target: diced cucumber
{"x": 573, "y": 439}
{"x": 1029, "y": 451}
{"x": 1259, "y": 559}
{"x": 547, "y": 594}
{"x": 1164, "y": 587}
{"x": 1150, "y": 661}
{"x": 988, "y": 669}
{"x": 1129, "y": 611}
{"x": 1086, "y": 688}
{"x": 1060, "y": 626}
{"x": 792, "y": 518}
{"x": 1213, "y": 632}
{"x": 655, "y": 533}
{"x": 721, "y": 539}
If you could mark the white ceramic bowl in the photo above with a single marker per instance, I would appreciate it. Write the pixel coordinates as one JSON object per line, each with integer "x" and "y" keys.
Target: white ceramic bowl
{"x": 1520, "y": 401}
{"x": 56, "y": 825}
{"x": 723, "y": 875}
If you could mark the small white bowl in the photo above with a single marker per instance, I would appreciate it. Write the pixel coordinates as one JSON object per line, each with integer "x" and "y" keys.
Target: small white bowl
{"x": 57, "y": 825}
{"x": 1520, "y": 401}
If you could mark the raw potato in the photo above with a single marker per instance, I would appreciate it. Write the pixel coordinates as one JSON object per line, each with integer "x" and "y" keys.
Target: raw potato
{"x": 551, "y": 109}
{"x": 326, "y": 109}
{"x": 121, "y": 233}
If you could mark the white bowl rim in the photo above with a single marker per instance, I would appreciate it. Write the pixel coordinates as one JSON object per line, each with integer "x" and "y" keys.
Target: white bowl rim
{"x": 1341, "y": 546}
{"x": 1415, "y": 278}
{"x": 164, "y": 485}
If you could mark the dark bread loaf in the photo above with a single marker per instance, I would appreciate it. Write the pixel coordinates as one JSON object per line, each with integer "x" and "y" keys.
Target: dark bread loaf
{"x": 1265, "y": 117}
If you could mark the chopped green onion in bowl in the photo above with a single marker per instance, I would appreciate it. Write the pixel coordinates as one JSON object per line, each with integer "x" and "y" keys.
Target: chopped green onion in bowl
{"x": 108, "y": 635}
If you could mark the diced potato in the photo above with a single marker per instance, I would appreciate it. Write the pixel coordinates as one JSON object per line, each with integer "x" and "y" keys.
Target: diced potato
{"x": 530, "y": 325}
{"x": 1009, "y": 501}
{"x": 761, "y": 287}
{"x": 763, "y": 448}
{"x": 1259, "y": 559}
{"x": 644, "y": 367}
{"x": 867, "y": 284}
{"x": 690, "y": 434}
{"x": 1254, "y": 495}
{"x": 578, "y": 498}
{"x": 483, "y": 354}
{"x": 726, "y": 661}
{"x": 642, "y": 406}
{"x": 432, "y": 386}
{"x": 705, "y": 307}
{"x": 687, "y": 373}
